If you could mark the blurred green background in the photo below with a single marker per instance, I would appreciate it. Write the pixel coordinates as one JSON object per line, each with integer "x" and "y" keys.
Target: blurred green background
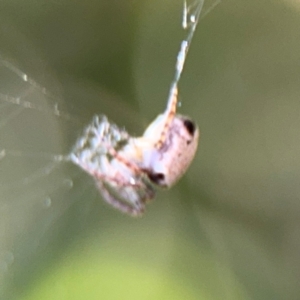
{"x": 230, "y": 229}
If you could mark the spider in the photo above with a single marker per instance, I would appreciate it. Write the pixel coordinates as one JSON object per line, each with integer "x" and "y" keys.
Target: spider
{"x": 127, "y": 169}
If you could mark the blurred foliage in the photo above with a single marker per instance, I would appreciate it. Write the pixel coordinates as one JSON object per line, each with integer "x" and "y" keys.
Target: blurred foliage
{"x": 230, "y": 229}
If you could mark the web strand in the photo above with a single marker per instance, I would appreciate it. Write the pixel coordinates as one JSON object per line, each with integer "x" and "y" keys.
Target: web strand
{"x": 191, "y": 16}
{"x": 190, "y": 21}
{"x": 33, "y": 85}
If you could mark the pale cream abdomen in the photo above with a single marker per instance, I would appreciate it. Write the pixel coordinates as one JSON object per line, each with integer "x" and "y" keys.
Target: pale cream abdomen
{"x": 167, "y": 164}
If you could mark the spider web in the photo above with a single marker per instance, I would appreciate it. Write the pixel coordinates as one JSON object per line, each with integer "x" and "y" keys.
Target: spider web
{"x": 37, "y": 184}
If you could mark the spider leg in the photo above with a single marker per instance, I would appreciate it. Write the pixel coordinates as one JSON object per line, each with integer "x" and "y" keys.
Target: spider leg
{"x": 117, "y": 180}
{"x": 114, "y": 153}
{"x": 142, "y": 186}
{"x": 126, "y": 162}
{"x": 168, "y": 115}
{"x": 118, "y": 204}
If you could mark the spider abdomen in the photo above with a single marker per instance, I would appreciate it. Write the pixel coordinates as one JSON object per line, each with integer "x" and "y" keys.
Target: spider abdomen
{"x": 170, "y": 161}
